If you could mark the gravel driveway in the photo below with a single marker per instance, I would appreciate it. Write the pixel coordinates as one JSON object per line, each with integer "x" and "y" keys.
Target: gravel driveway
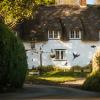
{"x": 33, "y": 92}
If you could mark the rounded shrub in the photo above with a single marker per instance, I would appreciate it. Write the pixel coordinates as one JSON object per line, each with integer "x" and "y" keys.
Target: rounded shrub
{"x": 93, "y": 80}
{"x": 13, "y": 63}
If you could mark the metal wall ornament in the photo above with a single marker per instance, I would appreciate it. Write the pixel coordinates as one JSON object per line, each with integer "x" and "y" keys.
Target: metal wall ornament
{"x": 93, "y": 46}
{"x": 52, "y": 54}
{"x": 75, "y": 55}
{"x": 66, "y": 63}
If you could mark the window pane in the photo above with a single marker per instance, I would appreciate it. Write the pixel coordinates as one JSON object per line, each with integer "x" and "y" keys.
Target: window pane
{"x": 72, "y": 34}
{"x": 57, "y": 55}
{"x": 56, "y": 34}
{"x": 62, "y": 54}
{"x": 50, "y": 34}
{"x": 77, "y": 33}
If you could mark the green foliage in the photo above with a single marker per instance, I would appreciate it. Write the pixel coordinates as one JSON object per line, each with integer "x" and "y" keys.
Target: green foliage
{"x": 15, "y": 11}
{"x": 64, "y": 74}
{"x": 13, "y": 64}
{"x": 73, "y": 68}
{"x": 98, "y": 61}
{"x": 46, "y": 2}
{"x": 92, "y": 82}
{"x": 53, "y": 77}
{"x": 53, "y": 71}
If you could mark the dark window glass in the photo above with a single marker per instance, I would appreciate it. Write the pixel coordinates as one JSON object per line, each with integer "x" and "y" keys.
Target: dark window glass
{"x": 50, "y": 34}
{"x": 62, "y": 54}
{"x": 57, "y": 55}
{"x": 56, "y": 35}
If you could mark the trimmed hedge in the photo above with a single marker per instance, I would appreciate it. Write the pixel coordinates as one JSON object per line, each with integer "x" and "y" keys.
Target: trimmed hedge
{"x": 13, "y": 63}
{"x": 92, "y": 82}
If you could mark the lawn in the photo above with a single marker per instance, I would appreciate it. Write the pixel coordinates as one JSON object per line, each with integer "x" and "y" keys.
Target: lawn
{"x": 55, "y": 77}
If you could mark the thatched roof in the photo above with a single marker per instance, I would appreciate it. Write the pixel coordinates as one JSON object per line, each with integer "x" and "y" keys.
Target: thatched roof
{"x": 65, "y": 17}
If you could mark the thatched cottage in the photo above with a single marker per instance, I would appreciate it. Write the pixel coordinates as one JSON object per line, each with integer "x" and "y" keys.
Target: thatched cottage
{"x": 64, "y": 35}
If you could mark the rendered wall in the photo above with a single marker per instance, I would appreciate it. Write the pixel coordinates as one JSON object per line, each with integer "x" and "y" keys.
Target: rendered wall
{"x": 84, "y": 49}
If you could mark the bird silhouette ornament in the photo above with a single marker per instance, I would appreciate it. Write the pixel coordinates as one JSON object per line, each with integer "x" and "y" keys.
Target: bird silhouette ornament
{"x": 93, "y": 46}
{"x": 75, "y": 55}
{"x": 66, "y": 63}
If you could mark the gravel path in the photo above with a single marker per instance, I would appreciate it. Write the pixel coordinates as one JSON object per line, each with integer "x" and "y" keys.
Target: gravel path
{"x": 74, "y": 84}
{"x": 33, "y": 92}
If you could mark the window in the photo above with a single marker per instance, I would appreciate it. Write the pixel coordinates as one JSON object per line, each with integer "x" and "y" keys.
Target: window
{"x": 72, "y": 34}
{"x": 53, "y": 35}
{"x": 50, "y": 34}
{"x": 56, "y": 34}
{"x": 59, "y": 54}
{"x": 75, "y": 34}
{"x": 99, "y": 34}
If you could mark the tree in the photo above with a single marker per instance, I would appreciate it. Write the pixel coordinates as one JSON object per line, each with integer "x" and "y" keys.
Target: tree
{"x": 13, "y": 63}
{"x": 14, "y": 11}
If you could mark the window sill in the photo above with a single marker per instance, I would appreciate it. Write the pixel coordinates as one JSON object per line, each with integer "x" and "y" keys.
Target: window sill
{"x": 53, "y": 39}
{"x": 60, "y": 60}
{"x": 74, "y": 39}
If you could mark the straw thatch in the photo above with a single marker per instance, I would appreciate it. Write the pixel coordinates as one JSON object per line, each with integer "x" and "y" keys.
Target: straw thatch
{"x": 64, "y": 18}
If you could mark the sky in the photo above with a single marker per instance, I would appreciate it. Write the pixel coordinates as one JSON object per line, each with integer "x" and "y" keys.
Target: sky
{"x": 90, "y": 1}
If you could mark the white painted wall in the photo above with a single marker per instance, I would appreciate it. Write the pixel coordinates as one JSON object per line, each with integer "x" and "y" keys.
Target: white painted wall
{"x": 76, "y": 46}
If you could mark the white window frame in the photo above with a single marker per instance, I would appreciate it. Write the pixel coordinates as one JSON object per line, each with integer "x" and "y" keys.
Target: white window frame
{"x": 60, "y": 56}
{"x": 74, "y": 34}
{"x": 53, "y": 35}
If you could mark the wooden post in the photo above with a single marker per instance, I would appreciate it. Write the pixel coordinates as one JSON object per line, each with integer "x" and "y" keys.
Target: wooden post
{"x": 40, "y": 70}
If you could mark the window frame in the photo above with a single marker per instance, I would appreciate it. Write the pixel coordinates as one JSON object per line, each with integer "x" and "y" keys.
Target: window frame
{"x": 60, "y": 58}
{"x": 53, "y": 35}
{"x": 75, "y": 34}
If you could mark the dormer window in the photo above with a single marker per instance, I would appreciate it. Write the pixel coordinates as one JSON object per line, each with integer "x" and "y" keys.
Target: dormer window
{"x": 99, "y": 34}
{"x": 53, "y": 35}
{"x": 50, "y": 34}
{"x": 75, "y": 34}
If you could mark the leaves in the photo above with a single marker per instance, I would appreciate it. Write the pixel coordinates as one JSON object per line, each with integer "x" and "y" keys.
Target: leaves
{"x": 15, "y": 11}
{"x": 13, "y": 63}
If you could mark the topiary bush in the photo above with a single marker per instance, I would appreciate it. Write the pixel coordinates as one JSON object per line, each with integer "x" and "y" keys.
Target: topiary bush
{"x": 13, "y": 63}
{"x": 96, "y": 62}
{"x": 93, "y": 80}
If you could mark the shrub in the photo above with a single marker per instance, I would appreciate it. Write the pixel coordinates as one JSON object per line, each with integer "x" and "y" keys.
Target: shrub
{"x": 13, "y": 63}
{"x": 76, "y": 68}
{"x": 87, "y": 68}
{"x": 96, "y": 61}
{"x": 93, "y": 80}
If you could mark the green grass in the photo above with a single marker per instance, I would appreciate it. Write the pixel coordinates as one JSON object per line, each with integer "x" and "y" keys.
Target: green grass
{"x": 65, "y": 74}
{"x": 55, "y": 77}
